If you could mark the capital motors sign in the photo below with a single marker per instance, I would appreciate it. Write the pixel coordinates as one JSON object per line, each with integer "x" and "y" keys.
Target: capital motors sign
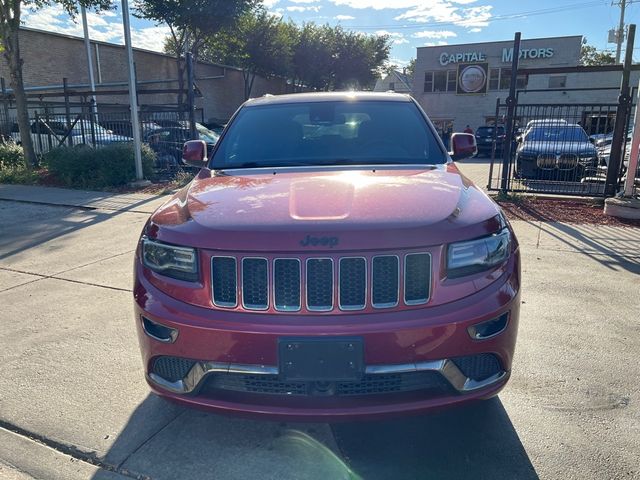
{"x": 472, "y": 78}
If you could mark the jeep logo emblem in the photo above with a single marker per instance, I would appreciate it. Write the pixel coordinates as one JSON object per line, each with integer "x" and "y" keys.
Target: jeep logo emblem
{"x": 310, "y": 241}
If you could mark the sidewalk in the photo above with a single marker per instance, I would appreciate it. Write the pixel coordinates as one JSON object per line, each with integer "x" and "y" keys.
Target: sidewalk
{"x": 132, "y": 202}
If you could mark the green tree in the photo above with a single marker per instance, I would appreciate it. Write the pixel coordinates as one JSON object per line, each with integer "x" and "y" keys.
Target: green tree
{"x": 260, "y": 43}
{"x": 191, "y": 22}
{"x": 10, "y": 18}
{"x": 358, "y": 58}
{"x": 313, "y": 57}
{"x": 326, "y": 58}
{"x": 590, "y": 56}
{"x": 411, "y": 68}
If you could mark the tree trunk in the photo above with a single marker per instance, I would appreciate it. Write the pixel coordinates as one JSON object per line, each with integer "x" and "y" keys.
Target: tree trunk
{"x": 12, "y": 54}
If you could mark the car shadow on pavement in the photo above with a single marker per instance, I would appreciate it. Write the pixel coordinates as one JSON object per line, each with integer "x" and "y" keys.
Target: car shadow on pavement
{"x": 477, "y": 441}
{"x": 181, "y": 443}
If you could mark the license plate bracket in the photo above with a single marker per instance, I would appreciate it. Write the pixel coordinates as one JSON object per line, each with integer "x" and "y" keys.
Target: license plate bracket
{"x": 321, "y": 359}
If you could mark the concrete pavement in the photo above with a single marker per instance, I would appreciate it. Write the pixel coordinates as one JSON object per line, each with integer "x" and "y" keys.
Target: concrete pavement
{"x": 73, "y": 402}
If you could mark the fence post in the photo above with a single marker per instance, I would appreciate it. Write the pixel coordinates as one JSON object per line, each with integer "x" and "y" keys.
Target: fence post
{"x": 38, "y": 136}
{"x": 5, "y": 106}
{"x": 493, "y": 147}
{"x": 67, "y": 108}
{"x": 191, "y": 97}
{"x": 619, "y": 134}
{"x": 511, "y": 108}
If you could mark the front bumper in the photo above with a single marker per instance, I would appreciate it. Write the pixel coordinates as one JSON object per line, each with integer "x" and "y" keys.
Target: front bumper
{"x": 222, "y": 348}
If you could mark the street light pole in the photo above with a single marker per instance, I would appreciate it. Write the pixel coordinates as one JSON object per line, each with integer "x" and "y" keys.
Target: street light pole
{"x": 620, "y": 32}
{"x": 87, "y": 46}
{"x": 133, "y": 96}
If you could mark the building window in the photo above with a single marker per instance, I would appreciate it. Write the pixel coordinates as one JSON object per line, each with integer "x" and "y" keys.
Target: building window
{"x": 452, "y": 80}
{"x": 505, "y": 78}
{"x": 558, "y": 81}
{"x": 522, "y": 81}
{"x": 494, "y": 78}
{"x": 428, "y": 82}
{"x": 440, "y": 81}
{"x": 392, "y": 86}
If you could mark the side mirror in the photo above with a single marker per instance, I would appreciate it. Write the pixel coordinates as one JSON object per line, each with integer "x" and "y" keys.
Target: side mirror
{"x": 194, "y": 153}
{"x": 463, "y": 145}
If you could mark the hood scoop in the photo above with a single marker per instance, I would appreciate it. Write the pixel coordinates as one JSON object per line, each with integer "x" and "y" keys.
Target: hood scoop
{"x": 327, "y": 199}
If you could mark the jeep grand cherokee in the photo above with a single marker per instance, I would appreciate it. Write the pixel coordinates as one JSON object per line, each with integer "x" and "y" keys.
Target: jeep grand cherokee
{"x": 328, "y": 262}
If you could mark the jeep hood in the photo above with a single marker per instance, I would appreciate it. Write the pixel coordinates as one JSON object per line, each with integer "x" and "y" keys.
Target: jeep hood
{"x": 360, "y": 209}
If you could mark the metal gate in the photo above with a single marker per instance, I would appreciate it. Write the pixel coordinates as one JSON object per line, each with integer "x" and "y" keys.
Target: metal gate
{"x": 561, "y": 149}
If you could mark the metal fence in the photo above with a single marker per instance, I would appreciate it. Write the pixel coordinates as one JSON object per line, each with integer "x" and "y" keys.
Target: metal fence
{"x": 164, "y": 131}
{"x": 557, "y": 149}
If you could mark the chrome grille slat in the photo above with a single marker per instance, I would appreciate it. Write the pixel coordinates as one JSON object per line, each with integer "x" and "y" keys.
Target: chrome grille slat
{"x": 417, "y": 278}
{"x": 224, "y": 281}
{"x": 386, "y": 281}
{"x": 286, "y": 284}
{"x": 319, "y": 284}
{"x": 352, "y": 283}
{"x": 255, "y": 283}
{"x": 260, "y": 283}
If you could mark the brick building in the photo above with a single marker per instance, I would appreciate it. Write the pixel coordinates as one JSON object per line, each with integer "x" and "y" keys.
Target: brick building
{"x": 50, "y": 57}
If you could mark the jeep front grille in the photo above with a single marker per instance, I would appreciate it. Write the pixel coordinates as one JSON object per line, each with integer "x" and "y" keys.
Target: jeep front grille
{"x": 321, "y": 284}
{"x": 286, "y": 284}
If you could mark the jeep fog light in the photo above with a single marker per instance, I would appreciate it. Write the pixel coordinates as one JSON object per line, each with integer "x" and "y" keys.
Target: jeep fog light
{"x": 159, "y": 332}
{"x": 489, "y": 328}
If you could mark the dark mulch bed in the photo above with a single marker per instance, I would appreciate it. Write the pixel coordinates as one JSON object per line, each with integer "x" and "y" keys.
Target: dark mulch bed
{"x": 565, "y": 211}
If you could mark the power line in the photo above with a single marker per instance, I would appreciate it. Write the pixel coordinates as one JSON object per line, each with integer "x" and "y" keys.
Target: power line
{"x": 508, "y": 16}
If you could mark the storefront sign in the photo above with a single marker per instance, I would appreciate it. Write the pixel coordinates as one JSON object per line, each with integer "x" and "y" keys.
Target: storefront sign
{"x": 527, "y": 53}
{"x": 472, "y": 78}
{"x": 507, "y": 55}
{"x": 447, "y": 58}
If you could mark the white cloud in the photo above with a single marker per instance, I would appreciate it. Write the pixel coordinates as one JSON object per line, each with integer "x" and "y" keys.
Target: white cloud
{"x": 429, "y": 11}
{"x": 396, "y": 37}
{"x": 269, "y": 3}
{"x": 435, "y": 34}
{"x": 150, "y": 38}
{"x": 103, "y": 27}
{"x": 447, "y": 12}
{"x": 378, "y": 4}
{"x": 399, "y": 62}
{"x": 436, "y": 44}
{"x": 475, "y": 30}
{"x": 344, "y": 17}
{"x": 476, "y": 16}
{"x": 304, "y": 1}
{"x": 304, "y": 9}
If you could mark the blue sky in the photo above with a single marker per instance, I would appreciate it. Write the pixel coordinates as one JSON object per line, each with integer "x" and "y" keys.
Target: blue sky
{"x": 411, "y": 23}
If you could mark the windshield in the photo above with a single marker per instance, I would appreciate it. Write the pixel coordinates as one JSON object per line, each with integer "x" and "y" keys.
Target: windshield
{"x": 556, "y": 134}
{"x": 488, "y": 131}
{"x": 328, "y": 133}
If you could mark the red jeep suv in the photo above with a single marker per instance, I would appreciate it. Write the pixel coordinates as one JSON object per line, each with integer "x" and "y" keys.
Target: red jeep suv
{"x": 328, "y": 262}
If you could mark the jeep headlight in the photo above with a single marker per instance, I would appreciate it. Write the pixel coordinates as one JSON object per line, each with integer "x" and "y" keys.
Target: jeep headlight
{"x": 466, "y": 258}
{"x": 170, "y": 260}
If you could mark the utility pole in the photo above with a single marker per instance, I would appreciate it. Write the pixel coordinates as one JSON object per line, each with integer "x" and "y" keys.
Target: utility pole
{"x": 133, "y": 97}
{"x": 620, "y": 32}
{"x": 87, "y": 46}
